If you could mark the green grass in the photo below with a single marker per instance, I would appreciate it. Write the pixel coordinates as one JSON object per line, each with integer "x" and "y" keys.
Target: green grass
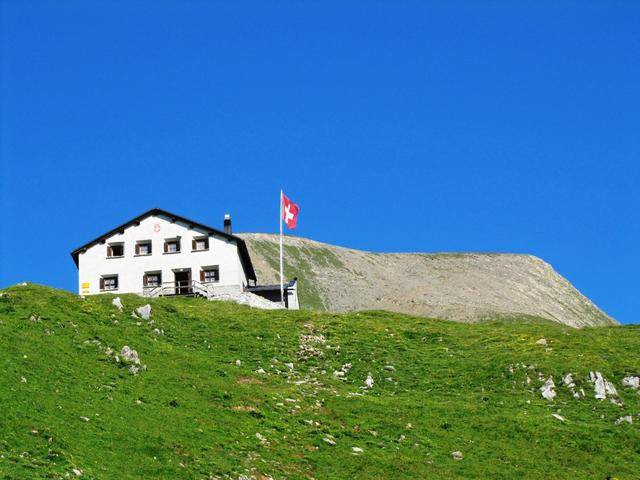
{"x": 298, "y": 265}
{"x": 192, "y": 413}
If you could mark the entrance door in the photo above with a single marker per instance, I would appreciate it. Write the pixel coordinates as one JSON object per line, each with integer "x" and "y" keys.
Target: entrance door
{"x": 183, "y": 282}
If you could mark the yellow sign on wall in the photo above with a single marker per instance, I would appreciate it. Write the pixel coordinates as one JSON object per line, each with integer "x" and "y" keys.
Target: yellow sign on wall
{"x": 85, "y": 285}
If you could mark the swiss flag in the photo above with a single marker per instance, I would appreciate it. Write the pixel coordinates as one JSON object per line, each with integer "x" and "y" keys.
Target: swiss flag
{"x": 289, "y": 212}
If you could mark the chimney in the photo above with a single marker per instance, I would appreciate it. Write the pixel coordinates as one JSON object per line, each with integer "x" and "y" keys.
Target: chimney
{"x": 227, "y": 223}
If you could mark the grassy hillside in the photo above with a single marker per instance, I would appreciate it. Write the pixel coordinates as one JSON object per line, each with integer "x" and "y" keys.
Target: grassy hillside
{"x": 193, "y": 411}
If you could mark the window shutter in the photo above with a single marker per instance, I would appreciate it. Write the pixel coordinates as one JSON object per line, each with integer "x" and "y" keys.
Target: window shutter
{"x": 166, "y": 247}
{"x": 178, "y": 245}
{"x": 149, "y": 247}
{"x": 144, "y": 280}
{"x": 193, "y": 244}
{"x": 202, "y": 275}
{"x": 137, "y": 249}
{"x": 101, "y": 283}
{"x": 109, "y": 251}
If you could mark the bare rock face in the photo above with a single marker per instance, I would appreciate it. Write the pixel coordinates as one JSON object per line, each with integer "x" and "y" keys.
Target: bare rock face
{"x": 465, "y": 287}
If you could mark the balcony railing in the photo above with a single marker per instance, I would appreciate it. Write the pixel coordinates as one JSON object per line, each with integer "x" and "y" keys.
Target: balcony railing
{"x": 184, "y": 287}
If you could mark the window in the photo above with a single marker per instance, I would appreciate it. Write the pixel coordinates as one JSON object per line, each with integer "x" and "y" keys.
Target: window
{"x": 109, "y": 283}
{"x": 115, "y": 250}
{"x": 200, "y": 244}
{"x": 210, "y": 274}
{"x": 143, "y": 248}
{"x": 172, "y": 246}
{"x": 152, "y": 279}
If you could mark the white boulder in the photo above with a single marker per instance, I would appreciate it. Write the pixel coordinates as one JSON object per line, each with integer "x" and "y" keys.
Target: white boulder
{"x": 144, "y": 311}
{"x": 369, "y": 381}
{"x": 116, "y": 302}
{"x": 548, "y": 389}
{"x": 633, "y": 382}
{"x": 129, "y": 355}
{"x": 626, "y": 419}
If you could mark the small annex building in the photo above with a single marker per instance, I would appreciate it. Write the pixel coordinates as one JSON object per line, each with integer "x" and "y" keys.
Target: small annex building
{"x": 160, "y": 253}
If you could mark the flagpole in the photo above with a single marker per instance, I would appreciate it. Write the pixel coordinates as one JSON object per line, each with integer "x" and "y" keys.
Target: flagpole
{"x": 281, "y": 267}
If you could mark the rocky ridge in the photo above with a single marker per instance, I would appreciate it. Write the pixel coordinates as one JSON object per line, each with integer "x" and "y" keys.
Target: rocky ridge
{"x": 465, "y": 287}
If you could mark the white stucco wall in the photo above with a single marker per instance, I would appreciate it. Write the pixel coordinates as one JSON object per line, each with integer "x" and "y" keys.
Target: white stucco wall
{"x": 130, "y": 269}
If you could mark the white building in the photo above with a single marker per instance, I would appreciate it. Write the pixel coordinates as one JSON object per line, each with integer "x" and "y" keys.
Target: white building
{"x": 160, "y": 253}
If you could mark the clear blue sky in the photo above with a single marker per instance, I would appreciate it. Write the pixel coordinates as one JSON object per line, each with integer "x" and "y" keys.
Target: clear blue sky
{"x": 397, "y": 126}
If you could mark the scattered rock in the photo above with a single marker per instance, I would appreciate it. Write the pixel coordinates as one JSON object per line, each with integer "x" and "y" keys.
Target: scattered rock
{"x": 34, "y": 318}
{"x": 390, "y": 368}
{"x": 238, "y": 363}
{"x": 260, "y": 371}
{"x": 116, "y": 302}
{"x": 543, "y": 342}
{"x": 23, "y": 380}
{"x": 357, "y": 450}
{"x": 602, "y": 386}
{"x": 133, "y": 370}
{"x": 626, "y": 419}
{"x": 144, "y": 311}
{"x": 309, "y": 345}
{"x": 368, "y": 381}
{"x": 558, "y": 417}
{"x": 633, "y": 382}
{"x": 548, "y": 389}
{"x": 129, "y": 355}
{"x": 84, "y": 419}
{"x": 329, "y": 441}
{"x": 567, "y": 380}
{"x": 262, "y": 438}
{"x": 289, "y": 365}
{"x": 343, "y": 371}
{"x": 77, "y": 472}
{"x": 457, "y": 455}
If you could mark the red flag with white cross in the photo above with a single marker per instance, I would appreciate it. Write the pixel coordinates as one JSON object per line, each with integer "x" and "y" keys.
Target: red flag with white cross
{"x": 289, "y": 212}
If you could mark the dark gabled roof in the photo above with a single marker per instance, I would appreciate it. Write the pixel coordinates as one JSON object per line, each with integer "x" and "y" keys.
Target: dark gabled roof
{"x": 245, "y": 259}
